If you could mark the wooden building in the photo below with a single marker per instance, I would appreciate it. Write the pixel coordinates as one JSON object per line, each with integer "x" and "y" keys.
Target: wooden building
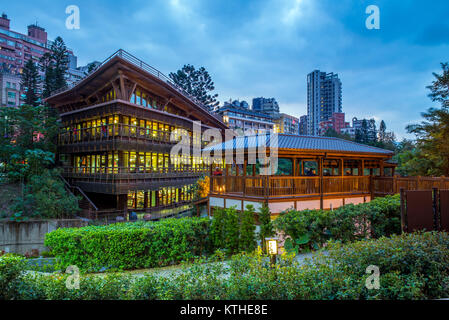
{"x": 312, "y": 173}
{"x": 115, "y": 143}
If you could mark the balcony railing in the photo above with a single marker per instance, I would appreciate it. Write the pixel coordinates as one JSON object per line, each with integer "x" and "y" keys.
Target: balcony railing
{"x": 392, "y": 185}
{"x": 285, "y": 186}
{"x": 126, "y": 173}
{"x": 118, "y": 131}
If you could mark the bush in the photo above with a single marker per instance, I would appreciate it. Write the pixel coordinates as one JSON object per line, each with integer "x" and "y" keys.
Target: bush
{"x": 412, "y": 266}
{"x": 310, "y": 229}
{"x": 130, "y": 245}
{"x": 11, "y": 270}
{"x": 234, "y": 231}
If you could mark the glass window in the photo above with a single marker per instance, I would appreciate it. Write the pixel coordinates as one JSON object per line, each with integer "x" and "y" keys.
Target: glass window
{"x": 132, "y": 162}
{"x": 140, "y": 200}
{"x": 126, "y": 161}
{"x": 131, "y": 199}
{"x": 141, "y": 162}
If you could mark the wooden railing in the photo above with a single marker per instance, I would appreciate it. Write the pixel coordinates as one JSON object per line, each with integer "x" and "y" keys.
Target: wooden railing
{"x": 108, "y": 132}
{"x": 393, "y": 185}
{"x": 124, "y": 173}
{"x": 276, "y": 186}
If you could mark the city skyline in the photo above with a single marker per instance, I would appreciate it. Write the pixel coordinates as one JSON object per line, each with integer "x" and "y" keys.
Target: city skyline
{"x": 272, "y": 48}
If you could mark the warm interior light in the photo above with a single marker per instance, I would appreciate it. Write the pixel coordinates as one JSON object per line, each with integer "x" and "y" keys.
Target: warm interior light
{"x": 272, "y": 246}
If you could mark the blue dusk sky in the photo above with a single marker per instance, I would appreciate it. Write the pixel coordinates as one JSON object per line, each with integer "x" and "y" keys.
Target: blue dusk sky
{"x": 267, "y": 47}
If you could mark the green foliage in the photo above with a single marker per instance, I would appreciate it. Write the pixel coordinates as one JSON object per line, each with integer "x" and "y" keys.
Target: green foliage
{"x": 412, "y": 266}
{"x": 217, "y": 230}
{"x": 54, "y": 64}
{"x": 266, "y": 226}
{"x": 431, "y": 156}
{"x": 30, "y": 82}
{"x": 131, "y": 245}
{"x": 310, "y": 229}
{"x": 44, "y": 196}
{"x": 247, "y": 241}
{"x": 11, "y": 270}
{"x": 233, "y": 231}
{"x": 197, "y": 83}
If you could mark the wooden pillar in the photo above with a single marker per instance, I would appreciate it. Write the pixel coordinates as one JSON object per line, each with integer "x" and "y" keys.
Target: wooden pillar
{"x": 363, "y": 168}
{"x": 382, "y": 173}
{"x": 342, "y": 167}
{"x": 320, "y": 167}
{"x": 294, "y": 167}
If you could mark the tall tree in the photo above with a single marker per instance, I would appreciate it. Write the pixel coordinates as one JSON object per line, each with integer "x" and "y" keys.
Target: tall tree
{"x": 55, "y": 64}
{"x": 46, "y": 65}
{"x": 433, "y": 133}
{"x": 382, "y": 131}
{"x": 30, "y": 82}
{"x": 197, "y": 83}
{"x": 60, "y": 56}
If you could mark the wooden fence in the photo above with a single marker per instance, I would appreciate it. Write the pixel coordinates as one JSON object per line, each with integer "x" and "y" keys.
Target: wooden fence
{"x": 392, "y": 185}
{"x": 425, "y": 210}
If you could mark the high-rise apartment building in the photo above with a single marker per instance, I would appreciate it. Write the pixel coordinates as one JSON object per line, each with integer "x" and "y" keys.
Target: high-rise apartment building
{"x": 17, "y": 48}
{"x": 323, "y": 98}
{"x": 268, "y": 106}
{"x": 303, "y": 126}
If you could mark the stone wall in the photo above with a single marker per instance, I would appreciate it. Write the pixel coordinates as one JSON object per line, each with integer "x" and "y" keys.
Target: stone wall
{"x": 28, "y": 236}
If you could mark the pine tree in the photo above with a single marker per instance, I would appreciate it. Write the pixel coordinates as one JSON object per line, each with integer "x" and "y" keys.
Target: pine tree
{"x": 60, "y": 58}
{"x": 266, "y": 226}
{"x": 382, "y": 131}
{"x": 433, "y": 133}
{"x": 55, "y": 64}
{"x": 247, "y": 228}
{"x": 46, "y": 65}
{"x": 30, "y": 83}
{"x": 197, "y": 83}
{"x": 232, "y": 230}
{"x": 217, "y": 232}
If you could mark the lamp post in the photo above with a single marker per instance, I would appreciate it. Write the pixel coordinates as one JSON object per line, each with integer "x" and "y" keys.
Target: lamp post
{"x": 272, "y": 249}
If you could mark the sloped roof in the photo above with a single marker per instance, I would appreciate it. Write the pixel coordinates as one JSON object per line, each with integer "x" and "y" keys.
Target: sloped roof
{"x": 287, "y": 141}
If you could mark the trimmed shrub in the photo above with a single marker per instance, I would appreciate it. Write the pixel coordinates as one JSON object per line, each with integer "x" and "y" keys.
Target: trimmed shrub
{"x": 412, "y": 266}
{"x": 310, "y": 229}
{"x": 130, "y": 245}
{"x": 11, "y": 270}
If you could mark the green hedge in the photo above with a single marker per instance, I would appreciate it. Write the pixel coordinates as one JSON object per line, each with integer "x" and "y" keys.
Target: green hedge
{"x": 311, "y": 229}
{"x": 130, "y": 245}
{"x": 412, "y": 266}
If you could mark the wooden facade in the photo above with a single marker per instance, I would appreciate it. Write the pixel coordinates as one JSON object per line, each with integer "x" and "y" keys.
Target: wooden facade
{"x": 306, "y": 178}
{"x": 115, "y": 142}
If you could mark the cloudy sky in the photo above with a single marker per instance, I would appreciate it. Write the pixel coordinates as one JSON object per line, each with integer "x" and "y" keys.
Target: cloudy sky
{"x": 267, "y": 47}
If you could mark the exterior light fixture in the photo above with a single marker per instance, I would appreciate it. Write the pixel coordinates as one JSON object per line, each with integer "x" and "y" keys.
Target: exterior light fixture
{"x": 272, "y": 249}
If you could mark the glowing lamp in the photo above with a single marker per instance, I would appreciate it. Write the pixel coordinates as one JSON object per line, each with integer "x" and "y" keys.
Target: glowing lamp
{"x": 272, "y": 246}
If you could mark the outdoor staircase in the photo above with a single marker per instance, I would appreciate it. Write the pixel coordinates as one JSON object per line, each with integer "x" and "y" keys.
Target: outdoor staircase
{"x": 88, "y": 208}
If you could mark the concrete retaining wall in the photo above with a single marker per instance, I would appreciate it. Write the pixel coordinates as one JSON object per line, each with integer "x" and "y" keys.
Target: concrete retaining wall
{"x": 28, "y": 236}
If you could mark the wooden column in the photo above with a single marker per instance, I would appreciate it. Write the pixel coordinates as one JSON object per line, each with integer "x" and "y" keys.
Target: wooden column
{"x": 363, "y": 167}
{"x": 320, "y": 167}
{"x": 294, "y": 173}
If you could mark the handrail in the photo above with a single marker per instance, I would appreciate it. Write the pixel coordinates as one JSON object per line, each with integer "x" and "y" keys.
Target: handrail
{"x": 81, "y": 191}
{"x": 138, "y": 170}
{"x": 119, "y": 130}
{"x": 275, "y": 186}
{"x": 143, "y": 66}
